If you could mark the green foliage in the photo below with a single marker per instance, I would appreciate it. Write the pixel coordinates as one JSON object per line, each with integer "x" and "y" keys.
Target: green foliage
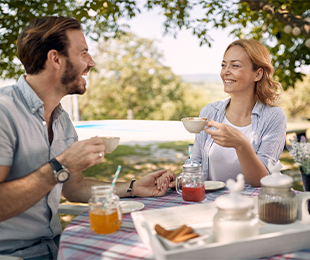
{"x": 129, "y": 76}
{"x": 260, "y": 19}
{"x": 263, "y": 20}
{"x": 296, "y": 102}
{"x": 99, "y": 17}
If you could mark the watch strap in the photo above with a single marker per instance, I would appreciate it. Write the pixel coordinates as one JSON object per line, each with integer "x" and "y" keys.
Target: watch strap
{"x": 59, "y": 171}
{"x": 130, "y": 188}
{"x": 55, "y": 164}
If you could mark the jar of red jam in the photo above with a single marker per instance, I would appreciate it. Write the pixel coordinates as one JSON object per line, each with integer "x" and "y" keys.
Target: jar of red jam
{"x": 191, "y": 180}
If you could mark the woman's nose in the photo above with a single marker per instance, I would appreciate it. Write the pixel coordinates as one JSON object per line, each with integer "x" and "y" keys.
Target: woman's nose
{"x": 226, "y": 70}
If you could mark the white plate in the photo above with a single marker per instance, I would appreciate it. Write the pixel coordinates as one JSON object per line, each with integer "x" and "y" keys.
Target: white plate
{"x": 130, "y": 206}
{"x": 214, "y": 185}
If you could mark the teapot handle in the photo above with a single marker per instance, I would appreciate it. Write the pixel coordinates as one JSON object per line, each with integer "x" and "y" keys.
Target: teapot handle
{"x": 302, "y": 208}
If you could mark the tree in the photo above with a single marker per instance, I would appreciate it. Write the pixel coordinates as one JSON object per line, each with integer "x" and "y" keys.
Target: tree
{"x": 129, "y": 76}
{"x": 99, "y": 17}
{"x": 296, "y": 103}
{"x": 264, "y": 20}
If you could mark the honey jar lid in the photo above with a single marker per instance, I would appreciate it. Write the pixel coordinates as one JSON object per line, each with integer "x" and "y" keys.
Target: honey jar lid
{"x": 234, "y": 200}
{"x": 276, "y": 179}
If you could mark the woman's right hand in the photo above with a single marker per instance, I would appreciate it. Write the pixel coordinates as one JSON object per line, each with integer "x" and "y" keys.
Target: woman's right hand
{"x": 225, "y": 135}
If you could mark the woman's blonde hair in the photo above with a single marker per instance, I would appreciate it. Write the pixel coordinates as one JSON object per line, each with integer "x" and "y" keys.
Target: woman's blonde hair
{"x": 267, "y": 90}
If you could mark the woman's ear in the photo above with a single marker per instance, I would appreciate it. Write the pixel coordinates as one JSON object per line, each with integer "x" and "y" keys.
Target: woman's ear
{"x": 259, "y": 74}
{"x": 54, "y": 59}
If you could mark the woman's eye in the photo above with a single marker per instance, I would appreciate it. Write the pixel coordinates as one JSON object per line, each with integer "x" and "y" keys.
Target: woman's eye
{"x": 222, "y": 65}
{"x": 236, "y": 66}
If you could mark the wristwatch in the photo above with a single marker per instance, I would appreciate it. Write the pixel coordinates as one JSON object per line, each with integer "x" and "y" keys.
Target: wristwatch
{"x": 130, "y": 188}
{"x": 61, "y": 173}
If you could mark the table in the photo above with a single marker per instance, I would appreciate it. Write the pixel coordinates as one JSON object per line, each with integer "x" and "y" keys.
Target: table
{"x": 78, "y": 241}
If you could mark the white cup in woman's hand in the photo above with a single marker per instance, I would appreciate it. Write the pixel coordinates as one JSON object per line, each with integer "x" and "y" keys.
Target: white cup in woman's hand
{"x": 194, "y": 124}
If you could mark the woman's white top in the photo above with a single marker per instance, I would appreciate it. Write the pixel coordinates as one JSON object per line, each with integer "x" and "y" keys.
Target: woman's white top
{"x": 268, "y": 127}
{"x": 223, "y": 162}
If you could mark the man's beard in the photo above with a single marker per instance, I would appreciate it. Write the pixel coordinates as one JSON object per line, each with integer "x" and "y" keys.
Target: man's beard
{"x": 70, "y": 80}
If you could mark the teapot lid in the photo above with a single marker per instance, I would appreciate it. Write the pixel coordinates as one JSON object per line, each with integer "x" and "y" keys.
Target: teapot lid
{"x": 276, "y": 179}
{"x": 191, "y": 167}
{"x": 234, "y": 200}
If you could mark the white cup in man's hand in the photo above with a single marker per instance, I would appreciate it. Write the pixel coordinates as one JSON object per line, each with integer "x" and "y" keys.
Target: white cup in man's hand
{"x": 110, "y": 143}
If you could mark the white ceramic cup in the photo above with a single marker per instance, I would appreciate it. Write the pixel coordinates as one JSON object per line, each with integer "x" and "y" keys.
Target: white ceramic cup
{"x": 110, "y": 143}
{"x": 194, "y": 124}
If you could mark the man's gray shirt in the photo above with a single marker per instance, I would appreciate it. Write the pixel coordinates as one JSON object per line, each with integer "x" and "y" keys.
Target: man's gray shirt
{"x": 25, "y": 147}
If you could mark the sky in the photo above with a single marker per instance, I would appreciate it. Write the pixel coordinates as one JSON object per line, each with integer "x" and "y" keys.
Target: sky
{"x": 183, "y": 54}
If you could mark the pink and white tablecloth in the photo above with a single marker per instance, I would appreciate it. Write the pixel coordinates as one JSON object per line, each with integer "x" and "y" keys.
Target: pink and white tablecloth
{"x": 78, "y": 241}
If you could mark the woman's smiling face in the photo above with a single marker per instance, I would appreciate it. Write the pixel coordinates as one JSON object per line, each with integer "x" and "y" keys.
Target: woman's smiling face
{"x": 237, "y": 71}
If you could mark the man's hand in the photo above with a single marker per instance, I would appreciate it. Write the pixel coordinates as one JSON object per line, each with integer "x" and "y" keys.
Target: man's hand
{"x": 147, "y": 186}
{"x": 83, "y": 154}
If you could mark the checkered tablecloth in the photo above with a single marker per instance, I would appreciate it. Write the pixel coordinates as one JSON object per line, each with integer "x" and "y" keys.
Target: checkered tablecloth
{"x": 78, "y": 241}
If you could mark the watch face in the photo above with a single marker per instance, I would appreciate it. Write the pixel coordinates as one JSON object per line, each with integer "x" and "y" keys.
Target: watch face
{"x": 62, "y": 176}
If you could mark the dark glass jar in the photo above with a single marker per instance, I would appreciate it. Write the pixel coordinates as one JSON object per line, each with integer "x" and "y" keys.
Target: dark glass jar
{"x": 277, "y": 202}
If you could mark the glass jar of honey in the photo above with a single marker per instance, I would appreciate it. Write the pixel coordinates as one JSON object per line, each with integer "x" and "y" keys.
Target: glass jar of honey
{"x": 105, "y": 214}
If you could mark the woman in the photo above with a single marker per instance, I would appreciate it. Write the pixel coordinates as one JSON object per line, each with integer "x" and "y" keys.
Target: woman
{"x": 246, "y": 129}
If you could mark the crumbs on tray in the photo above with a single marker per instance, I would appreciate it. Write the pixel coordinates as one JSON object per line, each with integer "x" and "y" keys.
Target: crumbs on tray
{"x": 181, "y": 234}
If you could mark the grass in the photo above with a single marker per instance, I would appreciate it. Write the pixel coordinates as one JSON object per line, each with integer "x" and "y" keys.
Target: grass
{"x": 138, "y": 161}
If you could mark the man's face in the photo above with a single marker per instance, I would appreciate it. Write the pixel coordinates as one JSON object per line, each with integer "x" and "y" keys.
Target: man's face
{"x": 78, "y": 63}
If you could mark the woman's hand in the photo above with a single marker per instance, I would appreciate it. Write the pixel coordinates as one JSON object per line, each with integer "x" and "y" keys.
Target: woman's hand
{"x": 225, "y": 135}
{"x": 167, "y": 178}
{"x": 148, "y": 185}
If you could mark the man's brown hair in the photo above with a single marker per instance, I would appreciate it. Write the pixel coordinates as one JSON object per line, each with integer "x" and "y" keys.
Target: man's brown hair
{"x": 41, "y": 36}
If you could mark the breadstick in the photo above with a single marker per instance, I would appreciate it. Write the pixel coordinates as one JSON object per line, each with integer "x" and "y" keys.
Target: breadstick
{"x": 161, "y": 231}
{"x": 185, "y": 237}
{"x": 174, "y": 233}
{"x": 183, "y": 232}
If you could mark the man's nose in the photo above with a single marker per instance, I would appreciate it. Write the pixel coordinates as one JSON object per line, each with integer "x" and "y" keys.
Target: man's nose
{"x": 91, "y": 62}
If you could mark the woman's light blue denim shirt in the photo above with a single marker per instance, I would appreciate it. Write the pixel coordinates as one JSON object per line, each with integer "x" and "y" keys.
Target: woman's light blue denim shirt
{"x": 268, "y": 126}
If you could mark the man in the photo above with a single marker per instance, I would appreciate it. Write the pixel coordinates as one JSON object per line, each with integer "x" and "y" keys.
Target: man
{"x": 40, "y": 156}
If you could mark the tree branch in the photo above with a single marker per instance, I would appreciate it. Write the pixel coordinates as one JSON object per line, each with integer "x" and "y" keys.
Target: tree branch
{"x": 283, "y": 15}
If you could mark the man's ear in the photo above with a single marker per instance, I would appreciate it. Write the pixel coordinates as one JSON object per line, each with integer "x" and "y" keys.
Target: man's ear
{"x": 54, "y": 59}
{"x": 259, "y": 74}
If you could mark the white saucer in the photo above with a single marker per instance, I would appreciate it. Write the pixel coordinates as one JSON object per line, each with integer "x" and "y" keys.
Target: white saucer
{"x": 130, "y": 206}
{"x": 214, "y": 185}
